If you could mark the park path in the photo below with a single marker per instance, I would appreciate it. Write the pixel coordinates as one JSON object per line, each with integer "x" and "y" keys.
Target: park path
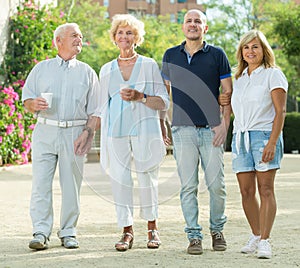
{"x": 97, "y": 230}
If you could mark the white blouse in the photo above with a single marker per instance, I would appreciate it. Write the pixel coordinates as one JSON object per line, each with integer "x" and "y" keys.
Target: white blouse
{"x": 251, "y": 101}
{"x": 149, "y": 81}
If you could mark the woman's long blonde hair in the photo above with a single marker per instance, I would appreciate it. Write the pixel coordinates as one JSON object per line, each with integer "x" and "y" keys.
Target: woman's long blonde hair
{"x": 268, "y": 58}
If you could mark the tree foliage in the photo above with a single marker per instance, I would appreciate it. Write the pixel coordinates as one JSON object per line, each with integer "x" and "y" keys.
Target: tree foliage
{"x": 286, "y": 25}
{"x": 30, "y": 40}
{"x": 99, "y": 49}
{"x": 227, "y": 23}
{"x": 160, "y": 35}
{"x": 91, "y": 18}
{"x": 278, "y": 20}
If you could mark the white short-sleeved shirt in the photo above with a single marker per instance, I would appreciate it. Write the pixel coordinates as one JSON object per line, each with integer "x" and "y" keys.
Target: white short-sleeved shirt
{"x": 251, "y": 99}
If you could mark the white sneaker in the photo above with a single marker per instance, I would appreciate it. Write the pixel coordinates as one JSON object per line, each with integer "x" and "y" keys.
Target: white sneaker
{"x": 264, "y": 250}
{"x": 251, "y": 245}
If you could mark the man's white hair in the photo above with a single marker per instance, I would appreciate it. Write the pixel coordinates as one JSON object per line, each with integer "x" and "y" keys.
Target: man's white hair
{"x": 60, "y": 30}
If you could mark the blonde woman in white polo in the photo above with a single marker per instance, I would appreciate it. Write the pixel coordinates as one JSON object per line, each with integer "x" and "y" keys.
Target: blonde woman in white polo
{"x": 259, "y": 106}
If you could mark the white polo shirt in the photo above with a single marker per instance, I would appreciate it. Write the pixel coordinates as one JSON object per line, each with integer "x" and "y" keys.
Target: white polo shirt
{"x": 252, "y": 103}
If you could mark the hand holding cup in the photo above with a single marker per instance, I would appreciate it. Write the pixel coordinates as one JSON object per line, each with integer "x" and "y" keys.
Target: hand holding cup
{"x": 48, "y": 97}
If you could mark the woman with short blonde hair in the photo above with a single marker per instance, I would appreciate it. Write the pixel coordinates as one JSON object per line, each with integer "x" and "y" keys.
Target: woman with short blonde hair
{"x": 132, "y": 95}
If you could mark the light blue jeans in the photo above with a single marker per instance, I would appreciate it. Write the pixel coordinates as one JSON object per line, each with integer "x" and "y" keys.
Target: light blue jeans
{"x": 193, "y": 146}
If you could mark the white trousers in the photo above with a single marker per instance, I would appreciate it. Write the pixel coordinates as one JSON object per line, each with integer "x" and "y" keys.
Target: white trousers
{"x": 123, "y": 152}
{"x": 52, "y": 146}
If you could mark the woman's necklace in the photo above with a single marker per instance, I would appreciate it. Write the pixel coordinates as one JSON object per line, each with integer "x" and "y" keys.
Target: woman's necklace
{"x": 130, "y": 58}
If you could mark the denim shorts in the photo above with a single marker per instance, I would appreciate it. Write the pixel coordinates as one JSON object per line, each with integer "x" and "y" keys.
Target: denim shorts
{"x": 244, "y": 161}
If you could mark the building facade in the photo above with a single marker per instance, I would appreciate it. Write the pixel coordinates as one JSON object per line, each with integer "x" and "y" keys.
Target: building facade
{"x": 6, "y": 10}
{"x": 150, "y": 7}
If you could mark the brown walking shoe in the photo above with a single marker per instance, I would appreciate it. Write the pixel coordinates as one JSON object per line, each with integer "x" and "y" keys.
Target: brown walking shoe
{"x": 195, "y": 247}
{"x": 218, "y": 241}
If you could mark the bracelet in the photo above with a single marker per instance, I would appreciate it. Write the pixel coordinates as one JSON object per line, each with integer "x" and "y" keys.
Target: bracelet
{"x": 89, "y": 130}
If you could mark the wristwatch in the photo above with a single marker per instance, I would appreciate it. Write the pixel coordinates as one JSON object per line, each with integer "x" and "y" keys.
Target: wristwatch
{"x": 89, "y": 130}
{"x": 144, "y": 99}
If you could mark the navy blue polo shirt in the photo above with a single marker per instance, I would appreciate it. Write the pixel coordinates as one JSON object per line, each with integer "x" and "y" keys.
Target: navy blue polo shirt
{"x": 195, "y": 84}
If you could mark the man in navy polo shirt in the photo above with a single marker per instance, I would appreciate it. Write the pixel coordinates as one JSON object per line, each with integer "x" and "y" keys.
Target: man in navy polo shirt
{"x": 194, "y": 72}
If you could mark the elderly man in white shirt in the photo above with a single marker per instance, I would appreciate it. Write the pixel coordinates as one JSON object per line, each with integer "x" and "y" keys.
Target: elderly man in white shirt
{"x": 62, "y": 135}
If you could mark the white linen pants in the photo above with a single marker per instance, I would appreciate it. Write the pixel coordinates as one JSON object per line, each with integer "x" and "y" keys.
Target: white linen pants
{"x": 52, "y": 145}
{"x": 121, "y": 153}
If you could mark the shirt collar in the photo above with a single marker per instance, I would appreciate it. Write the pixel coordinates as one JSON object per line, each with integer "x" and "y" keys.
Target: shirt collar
{"x": 257, "y": 70}
{"x": 204, "y": 48}
{"x": 69, "y": 63}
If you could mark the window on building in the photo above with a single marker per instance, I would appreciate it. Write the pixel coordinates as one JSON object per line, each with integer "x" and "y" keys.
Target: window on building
{"x": 137, "y": 13}
{"x": 151, "y": 1}
{"x": 106, "y": 3}
{"x": 172, "y": 1}
{"x": 172, "y": 18}
{"x": 180, "y": 17}
{"x": 181, "y": 1}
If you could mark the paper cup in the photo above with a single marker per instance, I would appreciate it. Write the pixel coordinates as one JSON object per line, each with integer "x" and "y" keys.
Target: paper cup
{"x": 122, "y": 86}
{"x": 48, "y": 97}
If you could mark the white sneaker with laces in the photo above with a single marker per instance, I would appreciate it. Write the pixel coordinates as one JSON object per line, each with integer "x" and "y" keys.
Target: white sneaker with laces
{"x": 251, "y": 245}
{"x": 264, "y": 250}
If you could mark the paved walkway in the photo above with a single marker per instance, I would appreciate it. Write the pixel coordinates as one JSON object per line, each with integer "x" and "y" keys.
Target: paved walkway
{"x": 97, "y": 230}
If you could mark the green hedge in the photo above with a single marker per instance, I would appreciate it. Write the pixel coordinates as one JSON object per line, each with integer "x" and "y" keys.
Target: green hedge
{"x": 291, "y": 133}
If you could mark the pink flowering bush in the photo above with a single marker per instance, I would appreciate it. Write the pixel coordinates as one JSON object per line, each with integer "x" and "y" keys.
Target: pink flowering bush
{"x": 31, "y": 34}
{"x": 15, "y": 131}
{"x": 31, "y": 41}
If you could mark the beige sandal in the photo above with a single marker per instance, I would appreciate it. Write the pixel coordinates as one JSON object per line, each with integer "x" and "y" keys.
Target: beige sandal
{"x": 123, "y": 245}
{"x": 154, "y": 241}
